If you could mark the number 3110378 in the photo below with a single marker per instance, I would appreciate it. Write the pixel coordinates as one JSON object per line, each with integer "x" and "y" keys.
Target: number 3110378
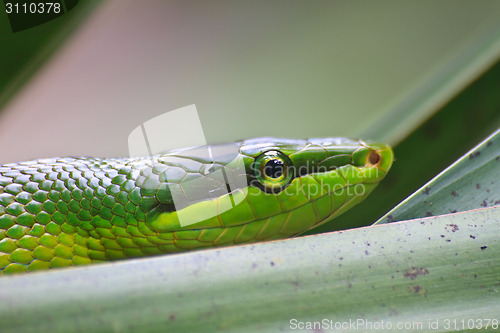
{"x": 33, "y": 8}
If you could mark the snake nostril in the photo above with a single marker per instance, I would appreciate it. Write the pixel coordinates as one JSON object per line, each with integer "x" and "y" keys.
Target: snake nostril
{"x": 374, "y": 157}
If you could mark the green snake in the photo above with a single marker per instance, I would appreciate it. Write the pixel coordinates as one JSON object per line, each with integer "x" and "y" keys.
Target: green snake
{"x": 75, "y": 211}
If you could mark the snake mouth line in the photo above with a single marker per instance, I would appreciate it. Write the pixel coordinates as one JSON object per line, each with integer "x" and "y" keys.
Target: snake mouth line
{"x": 337, "y": 190}
{"x": 268, "y": 220}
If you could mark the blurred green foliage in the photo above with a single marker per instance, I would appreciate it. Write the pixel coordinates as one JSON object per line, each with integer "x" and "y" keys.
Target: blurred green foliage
{"x": 25, "y": 51}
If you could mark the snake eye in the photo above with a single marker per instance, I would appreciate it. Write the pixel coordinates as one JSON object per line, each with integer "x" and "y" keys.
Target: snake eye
{"x": 273, "y": 171}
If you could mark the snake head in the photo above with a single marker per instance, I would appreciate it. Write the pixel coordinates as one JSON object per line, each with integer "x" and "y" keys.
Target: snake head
{"x": 329, "y": 174}
{"x": 265, "y": 188}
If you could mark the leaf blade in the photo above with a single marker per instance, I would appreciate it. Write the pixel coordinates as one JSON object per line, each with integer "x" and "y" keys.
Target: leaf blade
{"x": 467, "y": 184}
{"x": 386, "y": 272}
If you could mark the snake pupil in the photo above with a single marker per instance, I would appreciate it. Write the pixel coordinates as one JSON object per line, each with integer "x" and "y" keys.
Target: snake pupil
{"x": 274, "y": 168}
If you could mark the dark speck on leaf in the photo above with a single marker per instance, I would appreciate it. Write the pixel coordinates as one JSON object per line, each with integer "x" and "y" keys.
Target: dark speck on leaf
{"x": 478, "y": 186}
{"x": 489, "y": 143}
{"x": 427, "y": 213}
{"x": 473, "y": 237}
{"x": 475, "y": 276}
{"x": 390, "y": 218}
{"x": 171, "y": 317}
{"x": 442, "y": 236}
{"x": 484, "y": 247}
{"x": 455, "y": 194}
{"x": 427, "y": 190}
{"x": 471, "y": 156}
{"x": 367, "y": 253}
{"x": 413, "y": 272}
{"x": 414, "y": 289}
{"x": 484, "y": 203}
{"x": 453, "y": 211}
{"x": 497, "y": 202}
{"x": 448, "y": 240}
{"x": 418, "y": 290}
{"x": 454, "y": 227}
{"x": 272, "y": 263}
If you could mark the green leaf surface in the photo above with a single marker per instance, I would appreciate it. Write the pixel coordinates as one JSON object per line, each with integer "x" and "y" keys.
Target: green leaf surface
{"x": 432, "y": 270}
{"x": 469, "y": 183}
